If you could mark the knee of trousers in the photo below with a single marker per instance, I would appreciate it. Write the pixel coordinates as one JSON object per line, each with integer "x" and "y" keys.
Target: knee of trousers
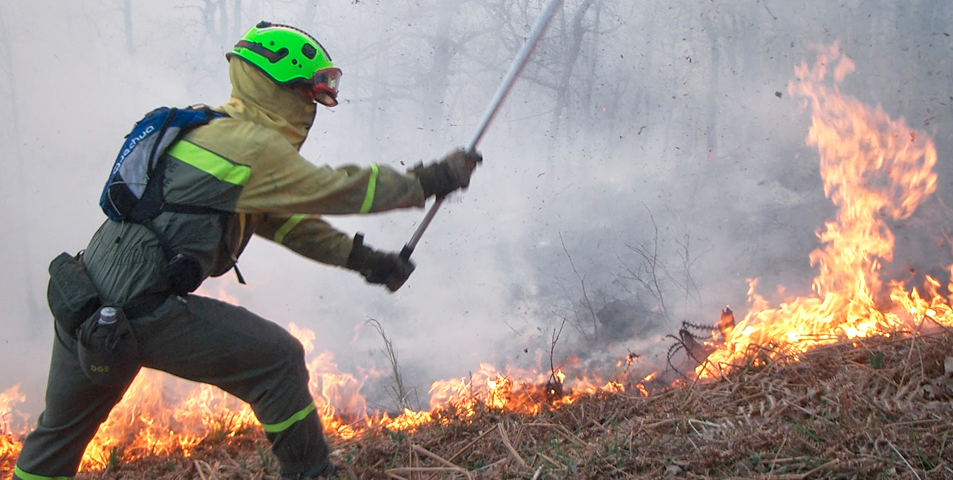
{"x": 294, "y": 355}
{"x": 289, "y": 389}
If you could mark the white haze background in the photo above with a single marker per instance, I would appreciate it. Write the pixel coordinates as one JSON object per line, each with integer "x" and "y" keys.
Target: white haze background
{"x": 634, "y": 115}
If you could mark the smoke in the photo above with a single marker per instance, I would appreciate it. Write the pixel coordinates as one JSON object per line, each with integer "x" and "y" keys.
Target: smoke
{"x": 644, "y": 142}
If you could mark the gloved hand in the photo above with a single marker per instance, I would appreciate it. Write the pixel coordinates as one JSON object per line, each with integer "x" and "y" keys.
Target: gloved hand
{"x": 379, "y": 267}
{"x": 449, "y": 174}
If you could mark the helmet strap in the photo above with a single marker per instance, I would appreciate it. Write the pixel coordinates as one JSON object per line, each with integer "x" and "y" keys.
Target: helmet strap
{"x": 260, "y": 49}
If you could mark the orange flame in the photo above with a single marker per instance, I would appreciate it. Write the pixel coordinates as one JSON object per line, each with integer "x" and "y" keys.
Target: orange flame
{"x": 161, "y": 415}
{"x": 873, "y": 168}
{"x": 9, "y": 445}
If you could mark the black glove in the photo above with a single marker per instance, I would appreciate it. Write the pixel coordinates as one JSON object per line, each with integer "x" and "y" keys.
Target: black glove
{"x": 379, "y": 267}
{"x": 449, "y": 174}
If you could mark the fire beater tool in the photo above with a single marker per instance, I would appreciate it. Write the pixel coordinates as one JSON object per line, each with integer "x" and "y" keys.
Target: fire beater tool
{"x": 522, "y": 57}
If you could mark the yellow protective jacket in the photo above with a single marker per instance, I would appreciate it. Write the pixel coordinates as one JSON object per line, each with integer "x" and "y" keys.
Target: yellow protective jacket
{"x": 248, "y": 164}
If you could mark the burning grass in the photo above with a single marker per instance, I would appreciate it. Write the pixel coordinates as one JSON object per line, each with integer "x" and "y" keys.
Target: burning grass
{"x": 870, "y": 408}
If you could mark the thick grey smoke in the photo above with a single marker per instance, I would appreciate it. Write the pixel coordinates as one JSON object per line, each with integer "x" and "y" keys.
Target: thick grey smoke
{"x": 657, "y": 130}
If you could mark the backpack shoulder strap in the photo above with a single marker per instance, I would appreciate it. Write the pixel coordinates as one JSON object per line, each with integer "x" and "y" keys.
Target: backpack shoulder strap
{"x": 152, "y": 202}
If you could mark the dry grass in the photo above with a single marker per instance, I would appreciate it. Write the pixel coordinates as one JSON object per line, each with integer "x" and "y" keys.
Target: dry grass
{"x": 879, "y": 408}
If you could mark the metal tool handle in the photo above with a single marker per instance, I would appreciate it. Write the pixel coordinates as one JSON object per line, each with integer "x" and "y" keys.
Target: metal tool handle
{"x": 506, "y": 86}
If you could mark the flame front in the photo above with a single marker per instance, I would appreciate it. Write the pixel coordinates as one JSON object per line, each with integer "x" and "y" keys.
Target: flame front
{"x": 162, "y": 415}
{"x": 874, "y": 169}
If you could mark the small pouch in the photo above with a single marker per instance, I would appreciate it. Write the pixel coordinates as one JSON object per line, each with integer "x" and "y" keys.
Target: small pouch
{"x": 108, "y": 352}
{"x": 184, "y": 273}
{"x": 71, "y": 294}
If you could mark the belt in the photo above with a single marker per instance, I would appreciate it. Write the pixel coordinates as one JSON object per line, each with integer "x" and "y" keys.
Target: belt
{"x": 143, "y": 305}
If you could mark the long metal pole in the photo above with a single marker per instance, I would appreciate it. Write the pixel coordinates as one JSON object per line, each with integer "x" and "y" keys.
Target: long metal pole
{"x": 502, "y": 92}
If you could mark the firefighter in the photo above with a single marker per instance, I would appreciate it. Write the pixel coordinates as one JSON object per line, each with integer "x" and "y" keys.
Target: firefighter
{"x": 247, "y": 164}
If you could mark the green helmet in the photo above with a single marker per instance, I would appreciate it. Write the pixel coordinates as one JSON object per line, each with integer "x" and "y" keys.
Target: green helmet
{"x": 288, "y": 55}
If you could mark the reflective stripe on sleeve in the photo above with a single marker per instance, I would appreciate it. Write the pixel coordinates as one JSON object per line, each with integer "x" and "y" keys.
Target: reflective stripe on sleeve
{"x": 32, "y": 476}
{"x": 289, "y": 224}
{"x": 371, "y": 190}
{"x": 210, "y": 163}
{"x": 297, "y": 417}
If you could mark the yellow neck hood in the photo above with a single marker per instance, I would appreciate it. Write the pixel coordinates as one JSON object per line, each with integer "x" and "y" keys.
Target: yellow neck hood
{"x": 256, "y": 98}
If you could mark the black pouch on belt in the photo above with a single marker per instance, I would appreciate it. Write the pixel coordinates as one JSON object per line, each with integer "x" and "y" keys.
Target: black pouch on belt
{"x": 184, "y": 273}
{"x": 71, "y": 294}
{"x": 108, "y": 352}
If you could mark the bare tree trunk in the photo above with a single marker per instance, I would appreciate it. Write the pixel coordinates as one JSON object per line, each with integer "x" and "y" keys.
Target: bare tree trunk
{"x": 237, "y": 27}
{"x": 593, "y": 56}
{"x": 714, "y": 87}
{"x": 213, "y": 18}
{"x": 127, "y": 19}
{"x": 444, "y": 50}
{"x": 208, "y": 16}
{"x": 307, "y": 17}
{"x": 577, "y": 33}
{"x": 223, "y": 20}
{"x": 17, "y": 224}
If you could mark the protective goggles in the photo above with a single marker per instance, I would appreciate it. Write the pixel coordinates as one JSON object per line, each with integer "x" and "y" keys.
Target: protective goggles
{"x": 324, "y": 86}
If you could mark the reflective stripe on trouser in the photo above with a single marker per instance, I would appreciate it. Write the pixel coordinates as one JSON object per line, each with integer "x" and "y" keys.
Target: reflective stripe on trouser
{"x": 213, "y": 342}
{"x": 19, "y": 474}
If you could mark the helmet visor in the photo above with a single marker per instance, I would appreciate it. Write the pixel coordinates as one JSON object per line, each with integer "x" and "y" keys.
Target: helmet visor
{"x": 324, "y": 85}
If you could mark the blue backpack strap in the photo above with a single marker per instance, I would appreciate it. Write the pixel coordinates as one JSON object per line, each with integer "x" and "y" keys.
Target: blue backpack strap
{"x": 152, "y": 202}
{"x": 130, "y": 194}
